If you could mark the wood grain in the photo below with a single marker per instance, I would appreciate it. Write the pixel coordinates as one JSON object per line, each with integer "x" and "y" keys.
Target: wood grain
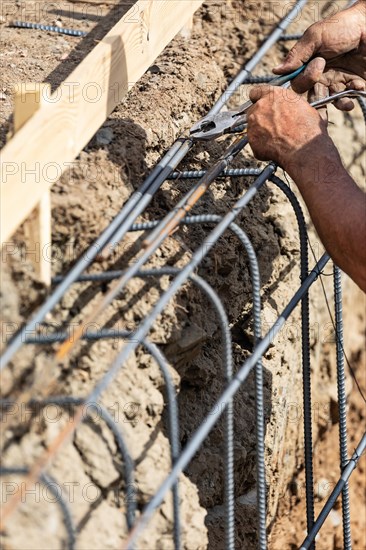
{"x": 43, "y": 148}
{"x": 28, "y": 99}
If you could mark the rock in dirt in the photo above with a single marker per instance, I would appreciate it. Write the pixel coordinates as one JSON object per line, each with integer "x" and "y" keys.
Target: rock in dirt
{"x": 187, "y": 346}
{"x": 104, "y": 136}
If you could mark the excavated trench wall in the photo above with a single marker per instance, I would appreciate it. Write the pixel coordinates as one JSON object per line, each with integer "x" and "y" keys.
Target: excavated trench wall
{"x": 180, "y": 87}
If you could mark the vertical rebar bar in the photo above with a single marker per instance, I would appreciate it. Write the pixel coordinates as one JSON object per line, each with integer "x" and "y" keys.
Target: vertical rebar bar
{"x": 211, "y": 419}
{"x": 306, "y": 378}
{"x": 305, "y": 345}
{"x": 53, "y": 487}
{"x": 259, "y": 399}
{"x": 342, "y": 404}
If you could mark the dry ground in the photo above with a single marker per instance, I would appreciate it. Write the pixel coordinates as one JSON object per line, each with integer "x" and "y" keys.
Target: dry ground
{"x": 181, "y": 86}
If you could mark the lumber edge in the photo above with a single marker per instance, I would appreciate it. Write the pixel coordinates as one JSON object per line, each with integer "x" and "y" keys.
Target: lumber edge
{"x": 34, "y": 159}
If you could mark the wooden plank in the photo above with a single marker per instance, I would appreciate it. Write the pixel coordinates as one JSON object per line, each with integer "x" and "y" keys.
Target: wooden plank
{"x": 37, "y": 232}
{"x": 186, "y": 30}
{"x": 38, "y": 154}
{"x": 28, "y": 98}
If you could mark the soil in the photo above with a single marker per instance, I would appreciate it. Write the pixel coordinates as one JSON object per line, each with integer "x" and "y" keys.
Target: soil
{"x": 179, "y": 88}
{"x": 289, "y": 529}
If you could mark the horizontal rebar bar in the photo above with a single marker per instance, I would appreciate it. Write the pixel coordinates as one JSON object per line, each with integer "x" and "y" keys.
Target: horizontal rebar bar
{"x": 180, "y": 148}
{"x": 290, "y": 37}
{"x": 50, "y": 28}
{"x": 212, "y": 418}
{"x": 252, "y": 79}
{"x": 228, "y": 173}
{"x": 173, "y": 218}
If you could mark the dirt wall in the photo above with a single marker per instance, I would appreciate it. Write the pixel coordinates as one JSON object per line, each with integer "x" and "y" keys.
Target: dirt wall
{"x": 181, "y": 86}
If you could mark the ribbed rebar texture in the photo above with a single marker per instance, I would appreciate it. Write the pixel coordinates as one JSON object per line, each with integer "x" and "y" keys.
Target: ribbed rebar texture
{"x": 251, "y": 79}
{"x": 290, "y": 37}
{"x": 215, "y": 413}
{"x": 305, "y": 344}
{"x": 362, "y": 104}
{"x": 253, "y": 62}
{"x": 342, "y": 404}
{"x": 50, "y": 28}
{"x": 159, "y": 231}
{"x": 142, "y": 197}
{"x": 230, "y": 172}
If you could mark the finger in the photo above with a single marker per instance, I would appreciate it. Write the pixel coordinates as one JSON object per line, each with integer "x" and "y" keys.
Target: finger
{"x": 310, "y": 76}
{"x": 318, "y": 92}
{"x": 258, "y": 92}
{"x": 335, "y": 87}
{"x": 252, "y": 134}
{"x": 356, "y": 84}
{"x": 344, "y": 104}
{"x": 303, "y": 50}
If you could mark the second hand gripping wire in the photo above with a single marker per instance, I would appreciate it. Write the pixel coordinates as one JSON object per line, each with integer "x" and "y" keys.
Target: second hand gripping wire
{"x": 229, "y": 122}
{"x": 214, "y": 126}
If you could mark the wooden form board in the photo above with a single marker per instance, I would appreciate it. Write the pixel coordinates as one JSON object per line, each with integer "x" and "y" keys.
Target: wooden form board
{"x": 28, "y": 99}
{"x": 34, "y": 159}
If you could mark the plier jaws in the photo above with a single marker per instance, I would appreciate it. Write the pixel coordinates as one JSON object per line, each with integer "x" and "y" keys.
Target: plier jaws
{"x": 214, "y": 126}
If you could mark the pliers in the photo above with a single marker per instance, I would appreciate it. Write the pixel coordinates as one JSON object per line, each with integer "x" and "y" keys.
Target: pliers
{"x": 214, "y": 126}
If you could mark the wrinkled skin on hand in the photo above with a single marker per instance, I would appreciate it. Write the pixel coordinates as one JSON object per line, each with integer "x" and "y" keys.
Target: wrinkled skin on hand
{"x": 283, "y": 127}
{"x": 338, "y": 48}
{"x": 281, "y": 124}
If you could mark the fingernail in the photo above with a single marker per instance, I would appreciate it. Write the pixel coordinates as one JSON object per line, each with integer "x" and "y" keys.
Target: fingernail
{"x": 280, "y": 66}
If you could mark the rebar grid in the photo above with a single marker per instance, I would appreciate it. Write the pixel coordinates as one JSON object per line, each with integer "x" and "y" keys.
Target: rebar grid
{"x": 113, "y": 234}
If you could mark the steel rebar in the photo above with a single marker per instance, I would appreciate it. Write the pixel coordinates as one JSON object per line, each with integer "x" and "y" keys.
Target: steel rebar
{"x": 305, "y": 348}
{"x": 342, "y": 404}
{"x": 212, "y": 418}
{"x": 228, "y": 173}
{"x": 285, "y": 37}
{"x": 173, "y": 415}
{"x": 51, "y": 484}
{"x": 86, "y": 259}
{"x": 335, "y": 493}
{"x": 171, "y": 220}
{"x": 154, "y": 178}
{"x": 49, "y": 28}
{"x": 124, "y": 222}
{"x": 253, "y": 62}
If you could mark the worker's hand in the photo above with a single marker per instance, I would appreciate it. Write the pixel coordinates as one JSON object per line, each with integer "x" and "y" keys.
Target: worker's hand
{"x": 338, "y": 47}
{"x": 282, "y": 125}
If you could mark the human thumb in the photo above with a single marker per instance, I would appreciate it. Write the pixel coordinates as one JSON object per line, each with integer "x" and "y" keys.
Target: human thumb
{"x": 303, "y": 50}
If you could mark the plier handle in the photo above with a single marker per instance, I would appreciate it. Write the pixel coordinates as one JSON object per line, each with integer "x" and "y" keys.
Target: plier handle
{"x": 214, "y": 126}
